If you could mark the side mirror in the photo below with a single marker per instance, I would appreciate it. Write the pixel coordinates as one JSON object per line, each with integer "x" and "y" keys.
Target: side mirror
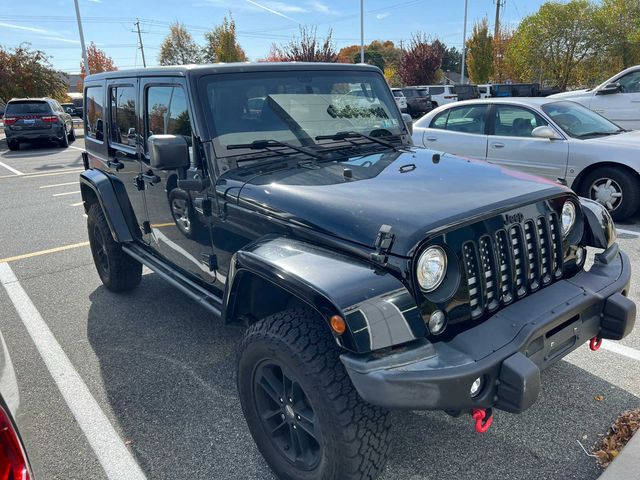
{"x": 545, "y": 132}
{"x": 610, "y": 88}
{"x": 168, "y": 152}
{"x": 409, "y": 122}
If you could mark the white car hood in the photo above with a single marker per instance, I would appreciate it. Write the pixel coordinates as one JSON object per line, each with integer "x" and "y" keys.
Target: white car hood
{"x": 573, "y": 93}
{"x": 627, "y": 139}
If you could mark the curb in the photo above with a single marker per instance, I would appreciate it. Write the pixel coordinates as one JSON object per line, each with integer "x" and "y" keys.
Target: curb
{"x": 627, "y": 465}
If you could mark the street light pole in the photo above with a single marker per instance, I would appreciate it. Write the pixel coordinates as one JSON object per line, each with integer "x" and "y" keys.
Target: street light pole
{"x": 464, "y": 42}
{"x": 361, "y": 31}
{"x": 84, "y": 50}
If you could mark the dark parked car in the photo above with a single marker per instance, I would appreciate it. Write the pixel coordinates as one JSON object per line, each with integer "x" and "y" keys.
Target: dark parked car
{"x": 14, "y": 463}
{"x": 418, "y": 101}
{"x": 515, "y": 90}
{"x": 467, "y": 92}
{"x": 36, "y": 119}
{"x": 371, "y": 275}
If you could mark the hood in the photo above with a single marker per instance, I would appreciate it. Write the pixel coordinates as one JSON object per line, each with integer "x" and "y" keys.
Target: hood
{"x": 572, "y": 93}
{"x": 408, "y": 191}
{"x": 626, "y": 139}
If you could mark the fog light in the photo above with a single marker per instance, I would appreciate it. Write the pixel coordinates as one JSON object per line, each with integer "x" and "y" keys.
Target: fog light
{"x": 437, "y": 322}
{"x": 476, "y": 387}
{"x": 579, "y": 255}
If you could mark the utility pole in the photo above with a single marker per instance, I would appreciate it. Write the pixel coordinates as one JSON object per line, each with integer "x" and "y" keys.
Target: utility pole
{"x": 84, "y": 50}
{"x": 137, "y": 24}
{"x": 496, "y": 28}
{"x": 464, "y": 42}
{"x": 361, "y": 31}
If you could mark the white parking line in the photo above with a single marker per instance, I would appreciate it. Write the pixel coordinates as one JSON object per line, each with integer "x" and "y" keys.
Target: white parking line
{"x": 113, "y": 455}
{"x": 620, "y": 349}
{"x": 59, "y": 185}
{"x": 11, "y": 169}
{"x": 65, "y": 193}
{"x": 76, "y": 204}
{"x": 630, "y": 232}
{"x": 76, "y": 148}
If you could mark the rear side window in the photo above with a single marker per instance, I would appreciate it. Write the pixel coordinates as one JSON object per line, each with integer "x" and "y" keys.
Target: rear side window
{"x": 436, "y": 90}
{"x": 94, "y": 112}
{"x": 123, "y": 115}
{"x": 467, "y": 119}
{"x": 27, "y": 107}
{"x": 167, "y": 112}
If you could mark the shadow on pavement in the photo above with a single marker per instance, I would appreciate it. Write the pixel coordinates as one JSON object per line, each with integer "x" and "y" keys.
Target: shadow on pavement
{"x": 168, "y": 371}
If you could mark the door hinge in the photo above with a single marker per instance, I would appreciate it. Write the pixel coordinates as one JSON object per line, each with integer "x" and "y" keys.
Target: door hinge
{"x": 146, "y": 227}
{"x": 204, "y": 205}
{"x": 382, "y": 244}
{"x": 139, "y": 182}
{"x": 210, "y": 260}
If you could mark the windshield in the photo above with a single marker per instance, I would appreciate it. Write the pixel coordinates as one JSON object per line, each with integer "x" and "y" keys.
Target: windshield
{"x": 422, "y": 92}
{"x": 296, "y": 107}
{"x": 578, "y": 121}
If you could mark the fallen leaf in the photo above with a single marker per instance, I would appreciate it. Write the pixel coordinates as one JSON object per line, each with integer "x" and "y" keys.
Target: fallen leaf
{"x": 599, "y": 398}
{"x": 620, "y": 432}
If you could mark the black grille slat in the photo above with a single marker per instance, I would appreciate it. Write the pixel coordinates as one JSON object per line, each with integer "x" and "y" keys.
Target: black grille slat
{"x": 516, "y": 260}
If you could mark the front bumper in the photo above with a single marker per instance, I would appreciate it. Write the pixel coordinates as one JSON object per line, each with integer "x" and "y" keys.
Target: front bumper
{"x": 507, "y": 351}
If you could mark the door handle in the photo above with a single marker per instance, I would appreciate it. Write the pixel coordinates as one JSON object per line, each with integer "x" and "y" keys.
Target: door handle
{"x": 497, "y": 145}
{"x": 117, "y": 164}
{"x": 431, "y": 139}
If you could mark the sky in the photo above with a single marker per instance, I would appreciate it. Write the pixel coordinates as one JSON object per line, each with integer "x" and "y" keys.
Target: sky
{"x": 50, "y": 25}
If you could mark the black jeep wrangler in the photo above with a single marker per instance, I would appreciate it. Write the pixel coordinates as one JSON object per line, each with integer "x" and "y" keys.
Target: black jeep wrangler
{"x": 371, "y": 275}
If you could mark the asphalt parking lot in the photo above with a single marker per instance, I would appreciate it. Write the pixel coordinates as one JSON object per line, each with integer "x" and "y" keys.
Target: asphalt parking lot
{"x": 162, "y": 371}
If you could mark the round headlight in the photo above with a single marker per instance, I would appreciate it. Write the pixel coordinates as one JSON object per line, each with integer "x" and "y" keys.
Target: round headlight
{"x": 432, "y": 267}
{"x": 568, "y": 217}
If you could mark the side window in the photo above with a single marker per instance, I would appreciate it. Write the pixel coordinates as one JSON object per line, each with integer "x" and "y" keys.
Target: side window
{"x": 630, "y": 83}
{"x": 440, "y": 121}
{"x": 436, "y": 90}
{"x": 513, "y": 121}
{"x": 122, "y": 115}
{"x": 167, "y": 112}
{"x": 468, "y": 119}
{"x": 94, "y": 112}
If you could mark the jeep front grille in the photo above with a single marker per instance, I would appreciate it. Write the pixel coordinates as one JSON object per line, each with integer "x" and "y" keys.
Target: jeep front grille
{"x": 511, "y": 263}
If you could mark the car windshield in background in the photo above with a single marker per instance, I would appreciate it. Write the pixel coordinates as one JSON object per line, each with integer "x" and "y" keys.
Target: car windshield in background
{"x": 296, "y": 108}
{"x": 397, "y": 93}
{"x": 422, "y": 92}
{"x": 22, "y": 108}
{"x": 578, "y": 121}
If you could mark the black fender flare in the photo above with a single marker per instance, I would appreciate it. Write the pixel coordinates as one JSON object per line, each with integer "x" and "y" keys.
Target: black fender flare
{"x": 379, "y": 310}
{"x": 110, "y": 193}
{"x": 600, "y": 231}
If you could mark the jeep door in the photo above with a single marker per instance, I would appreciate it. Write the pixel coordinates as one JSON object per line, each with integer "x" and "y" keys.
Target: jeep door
{"x": 459, "y": 130}
{"x": 180, "y": 225}
{"x": 512, "y": 145}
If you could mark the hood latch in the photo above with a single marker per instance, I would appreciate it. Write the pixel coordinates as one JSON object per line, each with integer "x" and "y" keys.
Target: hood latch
{"x": 382, "y": 244}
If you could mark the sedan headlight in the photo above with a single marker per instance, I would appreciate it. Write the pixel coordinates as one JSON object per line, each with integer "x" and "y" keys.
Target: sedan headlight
{"x": 431, "y": 269}
{"x": 568, "y": 217}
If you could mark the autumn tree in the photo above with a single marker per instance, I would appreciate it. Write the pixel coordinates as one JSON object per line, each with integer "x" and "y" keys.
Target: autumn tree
{"x": 550, "y": 45}
{"x": 382, "y": 54}
{"x": 178, "y": 48}
{"x": 222, "y": 44}
{"x": 480, "y": 53}
{"x": 98, "y": 61}
{"x": 28, "y": 73}
{"x": 306, "y": 48}
{"x": 619, "y": 24}
{"x": 420, "y": 63}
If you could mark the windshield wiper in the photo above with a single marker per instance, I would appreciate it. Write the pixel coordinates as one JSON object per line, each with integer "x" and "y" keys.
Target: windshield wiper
{"x": 265, "y": 144}
{"x": 593, "y": 134}
{"x": 348, "y": 135}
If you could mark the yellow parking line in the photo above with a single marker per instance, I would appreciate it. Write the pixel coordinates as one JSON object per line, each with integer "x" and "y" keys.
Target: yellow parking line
{"x": 44, "y": 252}
{"x": 160, "y": 225}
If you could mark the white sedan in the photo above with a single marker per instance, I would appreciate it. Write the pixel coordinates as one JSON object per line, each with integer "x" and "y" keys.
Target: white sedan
{"x": 552, "y": 138}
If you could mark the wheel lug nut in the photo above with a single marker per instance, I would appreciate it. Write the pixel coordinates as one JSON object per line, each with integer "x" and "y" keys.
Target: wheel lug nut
{"x": 281, "y": 400}
{"x": 282, "y": 416}
{"x": 290, "y": 400}
{"x": 298, "y": 417}
{"x": 295, "y": 428}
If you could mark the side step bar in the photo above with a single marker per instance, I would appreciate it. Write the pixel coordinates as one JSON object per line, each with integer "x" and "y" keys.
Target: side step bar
{"x": 201, "y": 295}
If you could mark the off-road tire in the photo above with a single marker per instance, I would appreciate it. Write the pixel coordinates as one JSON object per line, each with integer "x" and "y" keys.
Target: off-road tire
{"x": 122, "y": 272}
{"x": 627, "y": 181}
{"x": 13, "y": 145}
{"x": 354, "y": 434}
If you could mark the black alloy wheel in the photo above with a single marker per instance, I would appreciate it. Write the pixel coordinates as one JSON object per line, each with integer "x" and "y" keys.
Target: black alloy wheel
{"x": 287, "y": 415}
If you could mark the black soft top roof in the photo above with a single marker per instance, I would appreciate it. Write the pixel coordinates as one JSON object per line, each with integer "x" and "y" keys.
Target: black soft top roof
{"x": 199, "y": 70}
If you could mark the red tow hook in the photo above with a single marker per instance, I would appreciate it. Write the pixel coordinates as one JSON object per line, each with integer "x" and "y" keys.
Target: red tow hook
{"x": 595, "y": 342}
{"x": 483, "y": 418}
